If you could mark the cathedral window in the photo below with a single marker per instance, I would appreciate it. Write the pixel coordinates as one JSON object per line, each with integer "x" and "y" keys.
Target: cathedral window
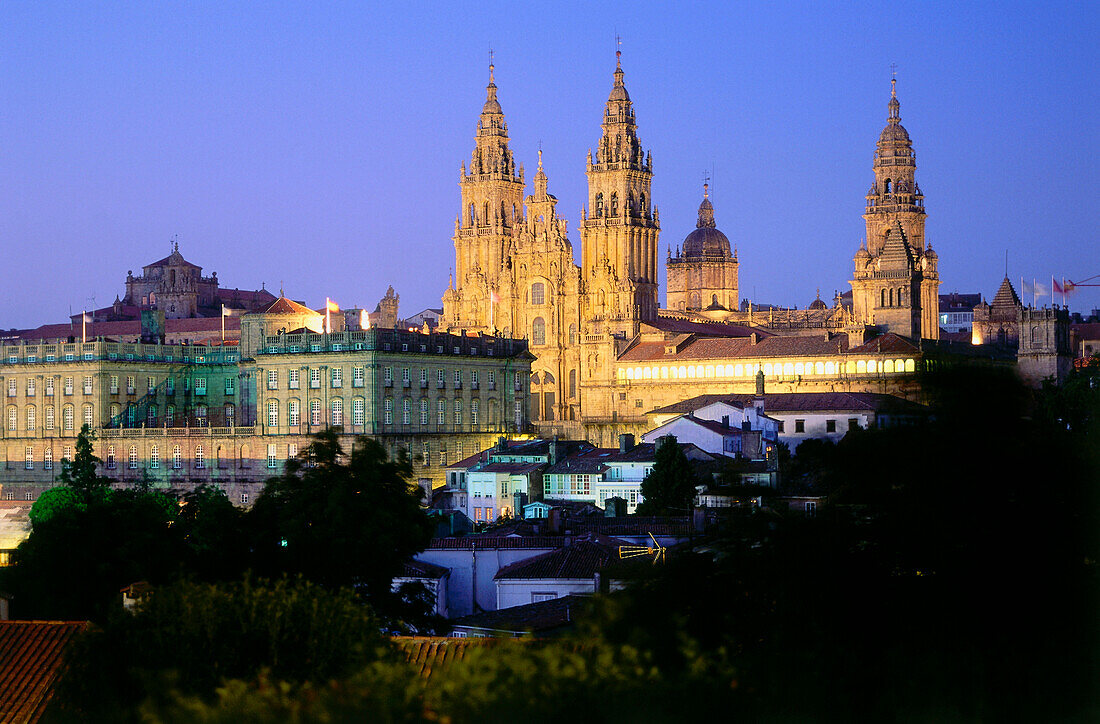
{"x": 538, "y": 331}
{"x": 572, "y": 334}
{"x": 472, "y": 218}
{"x": 614, "y": 204}
{"x": 503, "y": 213}
{"x": 641, "y": 205}
{"x": 538, "y": 293}
{"x": 883, "y": 298}
{"x": 573, "y": 382}
{"x": 739, "y": 370}
{"x": 599, "y": 205}
{"x": 886, "y": 186}
{"x": 485, "y": 221}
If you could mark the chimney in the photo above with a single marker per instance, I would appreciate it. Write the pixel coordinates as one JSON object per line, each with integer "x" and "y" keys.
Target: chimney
{"x": 626, "y": 443}
{"x": 554, "y": 451}
{"x": 502, "y": 443}
{"x": 664, "y": 440}
{"x": 725, "y": 420}
{"x": 746, "y": 425}
{"x": 553, "y": 521}
{"x": 758, "y": 401}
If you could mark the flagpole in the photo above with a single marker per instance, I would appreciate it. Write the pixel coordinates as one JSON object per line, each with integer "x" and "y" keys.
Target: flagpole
{"x": 223, "y": 325}
{"x": 328, "y": 319}
{"x": 84, "y": 326}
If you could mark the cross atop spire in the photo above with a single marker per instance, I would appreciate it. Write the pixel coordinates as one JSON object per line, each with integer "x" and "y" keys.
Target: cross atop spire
{"x": 491, "y": 66}
{"x": 618, "y": 50}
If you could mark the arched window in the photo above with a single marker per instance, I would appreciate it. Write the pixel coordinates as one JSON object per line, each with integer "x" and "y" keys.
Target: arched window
{"x": 485, "y": 221}
{"x": 67, "y": 416}
{"x": 47, "y": 458}
{"x": 614, "y": 203}
{"x": 515, "y": 213}
{"x": 573, "y": 383}
{"x": 424, "y": 412}
{"x": 272, "y": 413}
{"x": 475, "y": 412}
{"x": 32, "y": 418}
{"x": 599, "y": 205}
{"x": 472, "y": 217}
{"x": 110, "y": 457}
{"x": 337, "y": 412}
{"x": 538, "y": 331}
{"x": 131, "y": 458}
{"x": 883, "y": 298}
{"x": 538, "y": 293}
{"x": 572, "y": 334}
{"x": 641, "y": 205}
{"x": 151, "y": 416}
{"x": 503, "y": 213}
{"x": 387, "y": 411}
{"x": 154, "y": 458}
{"x": 886, "y": 186}
{"x": 177, "y": 458}
{"x": 315, "y": 412}
{"x": 294, "y": 410}
{"x": 49, "y": 417}
{"x": 230, "y": 414}
{"x": 358, "y": 411}
{"x": 200, "y": 457}
{"x": 406, "y": 411}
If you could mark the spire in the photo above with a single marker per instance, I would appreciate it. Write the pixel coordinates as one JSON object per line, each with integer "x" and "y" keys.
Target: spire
{"x": 540, "y": 179}
{"x": 491, "y": 103}
{"x": 894, "y": 107}
{"x": 706, "y": 210}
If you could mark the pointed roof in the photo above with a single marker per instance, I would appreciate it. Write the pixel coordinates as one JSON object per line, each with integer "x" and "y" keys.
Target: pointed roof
{"x": 618, "y": 91}
{"x": 1006, "y": 295}
{"x": 282, "y": 305}
{"x": 894, "y": 132}
{"x": 491, "y": 103}
{"x": 896, "y": 252}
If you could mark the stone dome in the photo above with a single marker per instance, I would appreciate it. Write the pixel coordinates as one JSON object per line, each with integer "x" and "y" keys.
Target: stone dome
{"x": 894, "y": 133}
{"x": 706, "y": 240}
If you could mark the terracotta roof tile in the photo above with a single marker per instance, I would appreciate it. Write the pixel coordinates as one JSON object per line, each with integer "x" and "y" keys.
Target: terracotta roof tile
{"x": 581, "y": 560}
{"x": 534, "y": 617}
{"x": 282, "y": 305}
{"x": 31, "y": 657}
{"x": 888, "y": 343}
{"x": 709, "y": 348}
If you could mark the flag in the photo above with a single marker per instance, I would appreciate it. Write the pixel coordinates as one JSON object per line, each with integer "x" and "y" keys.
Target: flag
{"x": 331, "y": 306}
{"x": 1065, "y": 287}
{"x": 1036, "y": 289}
{"x": 494, "y": 297}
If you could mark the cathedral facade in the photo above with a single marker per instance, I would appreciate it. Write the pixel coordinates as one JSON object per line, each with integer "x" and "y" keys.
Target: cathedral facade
{"x": 607, "y": 353}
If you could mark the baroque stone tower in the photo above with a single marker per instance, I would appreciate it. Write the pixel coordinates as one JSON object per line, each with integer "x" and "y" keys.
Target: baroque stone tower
{"x": 704, "y": 274}
{"x": 490, "y": 218}
{"x": 619, "y": 228}
{"x": 896, "y": 282}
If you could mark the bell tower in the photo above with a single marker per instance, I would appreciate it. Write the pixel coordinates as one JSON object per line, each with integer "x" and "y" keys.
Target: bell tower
{"x": 489, "y": 220}
{"x": 896, "y": 282}
{"x": 619, "y": 227}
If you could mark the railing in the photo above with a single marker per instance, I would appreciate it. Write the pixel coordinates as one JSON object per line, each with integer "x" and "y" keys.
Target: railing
{"x": 140, "y": 432}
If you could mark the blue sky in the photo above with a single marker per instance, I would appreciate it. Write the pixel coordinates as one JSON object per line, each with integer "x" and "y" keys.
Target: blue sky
{"x": 317, "y": 145}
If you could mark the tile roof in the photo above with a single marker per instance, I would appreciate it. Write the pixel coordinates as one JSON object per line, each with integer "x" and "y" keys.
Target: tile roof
{"x": 421, "y": 569}
{"x": 797, "y": 402}
{"x": 888, "y": 343}
{"x": 130, "y": 328}
{"x": 429, "y": 653}
{"x": 493, "y": 542}
{"x": 1006, "y": 295}
{"x": 31, "y": 657}
{"x": 706, "y": 348}
{"x": 538, "y": 617}
{"x": 510, "y": 468}
{"x": 580, "y": 560}
{"x": 632, "y": 525}
{"x": 282, "y": 305}
{"x": 714, "y": 329}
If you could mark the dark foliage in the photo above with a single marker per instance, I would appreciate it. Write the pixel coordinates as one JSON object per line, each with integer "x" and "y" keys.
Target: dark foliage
{"x": 669, "y": 488}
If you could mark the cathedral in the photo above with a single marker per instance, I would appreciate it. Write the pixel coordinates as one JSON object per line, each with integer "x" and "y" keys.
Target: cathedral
{"x": 607, "y": 352}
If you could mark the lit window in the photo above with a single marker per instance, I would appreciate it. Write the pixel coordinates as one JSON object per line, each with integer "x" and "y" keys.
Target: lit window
{"x": 177, "y": 458}
{"x": 154, "y": 458}
{"x": 272, "y": 413}
{"x": 200, "y": 458}
{"x": 132, "y": 458}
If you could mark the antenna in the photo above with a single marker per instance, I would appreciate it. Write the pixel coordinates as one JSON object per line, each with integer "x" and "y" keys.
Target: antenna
{"x": 894, "y": 71}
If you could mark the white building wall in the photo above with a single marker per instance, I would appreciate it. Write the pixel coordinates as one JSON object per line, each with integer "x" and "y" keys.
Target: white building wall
{"x": 520, "y": 592}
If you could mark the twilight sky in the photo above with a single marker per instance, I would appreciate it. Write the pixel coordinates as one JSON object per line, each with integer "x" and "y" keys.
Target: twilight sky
{"x": 317, "y": 145}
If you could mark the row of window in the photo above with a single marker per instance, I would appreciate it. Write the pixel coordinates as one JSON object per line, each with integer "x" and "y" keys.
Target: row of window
{"x": 770, "y": 369}
{"x": 88, "y": 385}
{"x": 830, "y": 425}
{"x": 424, "y": 411}
{"x": 336, "y": 412}
{"x": 47, "y": 457}
{"x": 49, "y": 421}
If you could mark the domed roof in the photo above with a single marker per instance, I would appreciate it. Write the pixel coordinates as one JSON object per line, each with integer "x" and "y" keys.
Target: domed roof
{"x": 817, "y": 303}
{"x": 894, "y": 131}
{"x": 492, "y": 105}
{"x": 706, "y": 240}
{"x": 618, "y": 91}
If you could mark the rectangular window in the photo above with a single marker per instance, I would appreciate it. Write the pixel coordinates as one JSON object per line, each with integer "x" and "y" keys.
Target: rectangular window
{"x": 441, "y": 378}
{"x": 830, "y": 426}
{"x": 427, "y": 455}
{"x": 200, "y": 458}
{"x": 356, "y": 376}
{"x": 387, "y": 375}
{"x": 13, "y": 387}
{"x": 492, "y": 379}
{"x": 358, "y": 411}
{"x": 130, "y": 389}
{"x": 424, "y": 377}
{"x": 292, "y": 379}
{"x": 315, "y": 378}
{"x": 49, "y": 386}
{"x": 337, "y": 377}
{"x": 244, "y": 498}
{"x": 200, "y": 385}
{"x": 781, "y": 426}
{"x": 853, "y": 423}
{"x": 67, "y": 452}
{"x": 87, "y": 385}
{"x": 28, "y": 460}
{"x": 441, "y": 412}
{"x": 151, "y": 384}
{"x": 271, "y": 457}
{"x": 68, "y": 385}
{"x": 154, "y": 458}
{"x": 169, "y": 386}
{"x": 405, "y": 375}
{"x": 799, "y": 426}
{"x": 458, "y": 378}
{"x": 387, "y": 411}
{"x": 230, "y": 385}
{"x": 273, "y": 379}
{"x": 292, "y": 450}
{"x": 89, "y": 414}
{"x": 114, "y": 385}
{"x": 31, "y": 387}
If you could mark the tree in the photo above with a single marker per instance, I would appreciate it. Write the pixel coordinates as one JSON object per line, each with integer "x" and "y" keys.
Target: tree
{"x": 80, "y": 472}
{"x": 341, "y": 520}
{"x": 669, "y": 488}
{"x": 190, "y": 637}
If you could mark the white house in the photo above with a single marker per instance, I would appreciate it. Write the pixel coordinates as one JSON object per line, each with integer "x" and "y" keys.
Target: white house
{"x": 573, "y": 569}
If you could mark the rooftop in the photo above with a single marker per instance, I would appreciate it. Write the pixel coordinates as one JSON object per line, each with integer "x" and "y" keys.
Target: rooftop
{"x": 31, "y": 658}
